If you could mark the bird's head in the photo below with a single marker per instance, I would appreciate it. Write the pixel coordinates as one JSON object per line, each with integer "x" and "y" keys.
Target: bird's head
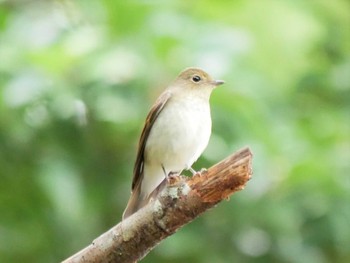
{"x": 196, "y": 78}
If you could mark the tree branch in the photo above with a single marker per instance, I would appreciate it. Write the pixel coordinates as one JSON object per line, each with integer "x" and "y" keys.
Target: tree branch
{"x": 179, "y": 203}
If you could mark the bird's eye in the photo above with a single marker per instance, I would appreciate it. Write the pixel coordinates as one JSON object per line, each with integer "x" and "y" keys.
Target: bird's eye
{"x": 196, "y": 78}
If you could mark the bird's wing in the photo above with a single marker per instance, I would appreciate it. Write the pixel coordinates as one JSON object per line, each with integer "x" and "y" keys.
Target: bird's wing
{"x": 151, "y": 118}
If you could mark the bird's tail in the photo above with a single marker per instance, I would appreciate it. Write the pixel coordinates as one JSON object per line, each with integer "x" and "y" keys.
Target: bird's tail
{"x": 138, "y": 200}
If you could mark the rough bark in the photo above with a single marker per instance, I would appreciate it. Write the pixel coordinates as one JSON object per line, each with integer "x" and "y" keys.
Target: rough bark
{"x": 182, "y": 200}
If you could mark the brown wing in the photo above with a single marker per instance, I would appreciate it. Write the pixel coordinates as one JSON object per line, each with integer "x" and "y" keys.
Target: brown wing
{"x": 151, "y": 117}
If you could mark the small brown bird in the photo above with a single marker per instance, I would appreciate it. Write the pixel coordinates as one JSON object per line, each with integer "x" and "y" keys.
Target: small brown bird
{"x": 176, "y": 132}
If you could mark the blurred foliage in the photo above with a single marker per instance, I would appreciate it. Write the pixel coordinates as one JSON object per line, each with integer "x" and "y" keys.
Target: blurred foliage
{"x": 78, "y": 77}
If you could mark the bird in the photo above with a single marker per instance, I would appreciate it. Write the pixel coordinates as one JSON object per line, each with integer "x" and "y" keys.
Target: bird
{"x": 176, "y": 132}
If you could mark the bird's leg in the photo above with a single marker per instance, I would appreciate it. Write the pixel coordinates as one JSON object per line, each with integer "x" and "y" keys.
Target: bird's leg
{"x": 165, "y": 174}
{"x": 193, "y": 171}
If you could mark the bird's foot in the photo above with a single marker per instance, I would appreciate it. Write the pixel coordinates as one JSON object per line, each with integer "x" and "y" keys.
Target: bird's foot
{"x": 202, "y": 172}
{"x": 172, "y": 177}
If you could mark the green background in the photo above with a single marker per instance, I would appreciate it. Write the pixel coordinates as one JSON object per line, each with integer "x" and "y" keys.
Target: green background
{"x": 77, "y": 79}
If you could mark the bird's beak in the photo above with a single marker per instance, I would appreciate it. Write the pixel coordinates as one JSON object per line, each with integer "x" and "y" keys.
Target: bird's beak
{"x": 218, "y": 82}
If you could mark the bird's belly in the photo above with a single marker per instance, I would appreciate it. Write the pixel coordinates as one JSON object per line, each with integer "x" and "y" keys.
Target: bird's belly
{"x": 179, "y": 137}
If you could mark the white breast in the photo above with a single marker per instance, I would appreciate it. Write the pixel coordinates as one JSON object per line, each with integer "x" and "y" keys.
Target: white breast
{"x": 180, "y": 134}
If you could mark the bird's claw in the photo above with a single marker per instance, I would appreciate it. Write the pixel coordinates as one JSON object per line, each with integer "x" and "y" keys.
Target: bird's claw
{"x": 172, "y": 177}
{"x": 202, "y": 172}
